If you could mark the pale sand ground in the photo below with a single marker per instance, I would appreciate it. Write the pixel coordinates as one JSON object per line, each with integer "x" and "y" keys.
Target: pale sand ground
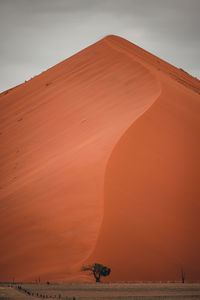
{"x": 117, "y": 291}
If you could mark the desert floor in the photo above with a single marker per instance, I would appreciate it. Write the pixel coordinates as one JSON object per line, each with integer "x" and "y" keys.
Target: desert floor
{"x": 86, "y": 291}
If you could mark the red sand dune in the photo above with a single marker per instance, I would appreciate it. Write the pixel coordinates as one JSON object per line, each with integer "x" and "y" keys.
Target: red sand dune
{"x": 100, "y": 161}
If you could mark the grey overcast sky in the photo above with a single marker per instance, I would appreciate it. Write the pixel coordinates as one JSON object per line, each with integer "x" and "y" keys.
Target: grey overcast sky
{"x": 37, "y": 34}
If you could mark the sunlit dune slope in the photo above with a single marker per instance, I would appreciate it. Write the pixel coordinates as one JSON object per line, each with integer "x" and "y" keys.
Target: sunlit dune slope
{"x": 58, "y": 132}
{"x": 151, "y": 221}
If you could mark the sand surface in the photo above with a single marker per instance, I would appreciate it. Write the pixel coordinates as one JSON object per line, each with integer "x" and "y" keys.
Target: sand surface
{"x": 100, "y": 162}
{"x": 93, "y": 291}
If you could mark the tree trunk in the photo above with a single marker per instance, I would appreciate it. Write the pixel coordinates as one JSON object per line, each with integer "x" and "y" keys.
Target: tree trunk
{"x": 97, "y": 276}
{"x": 182, "y": 276}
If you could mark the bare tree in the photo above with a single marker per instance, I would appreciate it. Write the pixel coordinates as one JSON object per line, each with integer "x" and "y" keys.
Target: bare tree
{"x": 97, "y": 270}
{"x": 182, "y": 275}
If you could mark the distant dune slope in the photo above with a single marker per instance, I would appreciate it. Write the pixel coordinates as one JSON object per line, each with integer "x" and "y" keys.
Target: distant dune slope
{"x": 58, "y": 131}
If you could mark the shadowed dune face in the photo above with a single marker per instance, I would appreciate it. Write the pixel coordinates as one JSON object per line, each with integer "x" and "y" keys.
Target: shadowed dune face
{"x": 151, "y": 212}
{"x": 57, "y": 132}
{"x": 151, "y": 221}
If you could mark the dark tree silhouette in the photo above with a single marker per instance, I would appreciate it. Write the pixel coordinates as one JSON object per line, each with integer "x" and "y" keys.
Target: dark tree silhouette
{"x": 182, "y": 275}
{"x": 97, "y": 270}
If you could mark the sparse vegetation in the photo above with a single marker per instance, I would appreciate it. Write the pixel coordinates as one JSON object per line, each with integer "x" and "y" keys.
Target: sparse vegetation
{"x": 97, "y": 270}
{"x": 182, "y": 275}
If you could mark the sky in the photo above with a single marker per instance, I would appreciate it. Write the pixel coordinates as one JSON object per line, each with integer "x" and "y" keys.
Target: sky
{"x": 37, "y": 34}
